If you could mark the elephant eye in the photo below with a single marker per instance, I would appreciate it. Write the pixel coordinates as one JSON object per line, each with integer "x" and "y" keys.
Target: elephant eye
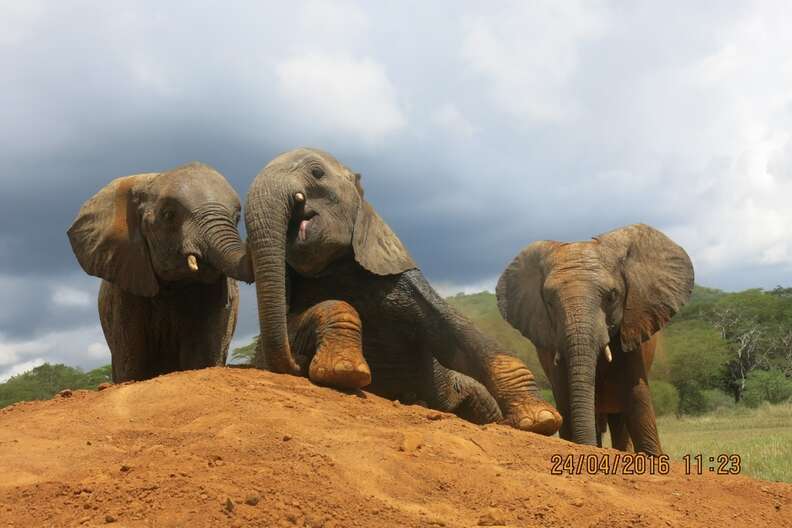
{"x": 167, "y": 215}
{"x": 613, "y": 295}
{"x": 317, "y": 172}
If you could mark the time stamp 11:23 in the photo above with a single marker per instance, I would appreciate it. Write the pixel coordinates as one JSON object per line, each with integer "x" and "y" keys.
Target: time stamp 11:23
{"x": 641, "y": 464}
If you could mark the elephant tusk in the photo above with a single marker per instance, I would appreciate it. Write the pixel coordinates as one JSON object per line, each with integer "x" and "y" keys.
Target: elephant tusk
{"x": 299, "y": 197}
{"x": 608, "y": 354}
{"x": 192, "y": 262}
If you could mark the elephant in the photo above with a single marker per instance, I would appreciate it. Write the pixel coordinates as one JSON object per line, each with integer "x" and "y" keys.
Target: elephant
{"x": 168, "y": 250}
{"x": 593, "y": 309}
{"x": 341, "y": 300}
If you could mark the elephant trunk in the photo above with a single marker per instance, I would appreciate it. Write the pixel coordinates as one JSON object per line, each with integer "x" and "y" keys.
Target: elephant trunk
{"x": 581, "y": 360}
{"x": 267, "y": 215}
{"x": 224, "y": 247}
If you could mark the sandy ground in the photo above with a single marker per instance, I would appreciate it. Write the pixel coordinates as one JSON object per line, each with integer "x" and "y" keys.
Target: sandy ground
{"x": 239, "y": 447}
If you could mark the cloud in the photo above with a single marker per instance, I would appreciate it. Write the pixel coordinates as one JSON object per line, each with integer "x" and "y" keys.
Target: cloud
{"x": 446, "y": 288}
{"x": 66, "y": 296}
{"x": 528, "y": 53}
{"x": 454, "y": 123}
{"x": 20, "y": 368}
{"x": 341, "y": 95}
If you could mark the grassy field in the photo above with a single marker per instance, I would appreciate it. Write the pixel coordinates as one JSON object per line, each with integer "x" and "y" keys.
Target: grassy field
{"x": 762, "y": 437}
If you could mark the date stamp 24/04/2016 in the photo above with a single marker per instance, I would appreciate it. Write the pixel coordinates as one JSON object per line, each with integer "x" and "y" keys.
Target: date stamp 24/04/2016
{"x": 640, "y": 464}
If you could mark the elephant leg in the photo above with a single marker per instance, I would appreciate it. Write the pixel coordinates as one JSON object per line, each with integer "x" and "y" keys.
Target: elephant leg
{"x": 204, "y": 320}
{"x": 602, "y": 425}
{"x": 452, "y": 391}
{"x": 329, "y": 333}
{"x": 640, "y": 415}
{"x": 123, "y": 317}
{"x": 522, "y": 407}
{"x": 620, "y": 436}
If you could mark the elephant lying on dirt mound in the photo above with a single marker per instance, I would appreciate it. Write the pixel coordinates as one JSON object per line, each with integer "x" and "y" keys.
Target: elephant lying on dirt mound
{"x": 337, "y": 292}
{"x": 592, "y": 309}
{"x": 165, "y": 245}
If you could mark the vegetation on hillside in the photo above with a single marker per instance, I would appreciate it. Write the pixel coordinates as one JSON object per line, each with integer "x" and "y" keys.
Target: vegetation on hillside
{"x": 44, "y": 381}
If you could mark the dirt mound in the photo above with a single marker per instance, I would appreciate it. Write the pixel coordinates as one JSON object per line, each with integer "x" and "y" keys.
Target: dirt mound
{"x": 239, "y": 447}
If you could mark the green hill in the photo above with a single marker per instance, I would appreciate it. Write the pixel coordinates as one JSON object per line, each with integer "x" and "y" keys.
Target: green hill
{"x": 482, "y": 309}
{"x": 44, "y": 381}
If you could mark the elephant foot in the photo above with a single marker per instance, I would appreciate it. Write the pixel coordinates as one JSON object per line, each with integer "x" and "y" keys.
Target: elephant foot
{"x": 533, "y": 415}
{"x": 342, "y": 368}
{"x": 515, "y": 389}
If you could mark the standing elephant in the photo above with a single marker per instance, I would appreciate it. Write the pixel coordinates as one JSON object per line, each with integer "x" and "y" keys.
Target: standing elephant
{"x": 337, "y": 292}
{"x": 591, "y": 309}
{"x": 165, "y": 245}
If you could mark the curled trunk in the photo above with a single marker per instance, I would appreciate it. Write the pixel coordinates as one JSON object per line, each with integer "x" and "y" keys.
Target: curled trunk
{"x": 267, "y": 218}
{"x": 224, "y": 247}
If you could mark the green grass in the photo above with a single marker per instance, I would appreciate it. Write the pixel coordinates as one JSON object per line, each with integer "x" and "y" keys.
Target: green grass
{"x": 762, "y": 437}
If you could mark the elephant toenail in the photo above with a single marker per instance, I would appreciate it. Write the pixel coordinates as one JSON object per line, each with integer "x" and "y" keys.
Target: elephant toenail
{"x": 344, "y": 366}
{"x": 545, "y": 417}
{"x": 362, "y": 367}
{"x": 525, "y": 424}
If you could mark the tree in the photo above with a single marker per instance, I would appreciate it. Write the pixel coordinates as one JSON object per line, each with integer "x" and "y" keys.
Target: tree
{"x": 244, "y": 355}
{"x": 767, "y": 385}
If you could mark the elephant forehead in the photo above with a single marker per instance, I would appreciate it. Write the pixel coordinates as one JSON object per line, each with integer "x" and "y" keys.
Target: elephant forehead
{"x": 577, "y": 255}
{"x": 295, "y": 159}
{"x": 193, "y": 185}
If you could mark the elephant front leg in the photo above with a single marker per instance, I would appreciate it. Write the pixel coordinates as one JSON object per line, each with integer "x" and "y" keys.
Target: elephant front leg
{"x": 515, "y": 389}
{"x": 640, "y": 415}
{"x": 329, "y": 333}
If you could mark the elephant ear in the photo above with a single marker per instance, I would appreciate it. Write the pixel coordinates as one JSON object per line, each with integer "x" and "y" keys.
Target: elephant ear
{"x": 519, "y": 293}
{"x": 658, "y": 277}
{"x": 107, "y": 240}
{"x": 376, "y": 246}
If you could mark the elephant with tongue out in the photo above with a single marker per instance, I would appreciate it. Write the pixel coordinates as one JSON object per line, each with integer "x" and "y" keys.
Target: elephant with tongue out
{"x": 341, "y": 300}
{"x": 168, "y": 249}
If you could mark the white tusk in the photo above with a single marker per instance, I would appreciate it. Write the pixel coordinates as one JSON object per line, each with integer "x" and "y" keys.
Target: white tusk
{"x": 608, "y": 355}
{"x": 299, "y": 197}
{"x": 192, "y": 262}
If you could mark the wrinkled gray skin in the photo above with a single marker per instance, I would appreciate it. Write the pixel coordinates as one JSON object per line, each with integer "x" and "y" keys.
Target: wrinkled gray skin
{"x": 137, "y": 233}
{"x": 572, "y": 300}
{"x": 414, "y": 342}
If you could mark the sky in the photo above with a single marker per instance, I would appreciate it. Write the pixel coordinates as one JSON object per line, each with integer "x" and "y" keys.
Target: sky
{"x": 478, "y": 127}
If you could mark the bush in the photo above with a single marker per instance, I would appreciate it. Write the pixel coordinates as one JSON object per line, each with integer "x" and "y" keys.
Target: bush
{"x": 691, "y": 398}
{"x": 46, "y": 380}
{"x": 715, "y": 399}
{"x": 665, "y": 398}
{"x": 766, "y": 385}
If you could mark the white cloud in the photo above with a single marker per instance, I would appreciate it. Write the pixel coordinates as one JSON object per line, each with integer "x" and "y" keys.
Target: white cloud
{"x": 17, "y": 20}
{"x": 340, "y": 95}
{"x": 20, "y": 368}
{"x": 448, "y": 288}
{"x": 528, "y": 53}
{"x": 66, "y": 296}
{"x": 452, "y": 121}
{"x": 82, "y": 346}
{"x": 98, "y": 350}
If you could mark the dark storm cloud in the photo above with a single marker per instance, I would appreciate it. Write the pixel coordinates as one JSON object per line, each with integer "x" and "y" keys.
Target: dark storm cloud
{"x": 477, "y": 131}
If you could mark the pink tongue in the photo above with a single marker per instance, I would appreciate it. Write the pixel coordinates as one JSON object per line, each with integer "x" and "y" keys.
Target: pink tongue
{"x": 303, "y": 229}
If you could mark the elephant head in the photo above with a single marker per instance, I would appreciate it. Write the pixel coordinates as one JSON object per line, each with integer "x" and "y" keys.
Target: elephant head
{"x": 307, "y": 210}
{"x": 144, "y": 230}
{"x": 584, "y": 299}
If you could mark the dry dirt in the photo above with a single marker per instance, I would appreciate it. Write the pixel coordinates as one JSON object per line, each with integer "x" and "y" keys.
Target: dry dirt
{"x": 239, "y": 447}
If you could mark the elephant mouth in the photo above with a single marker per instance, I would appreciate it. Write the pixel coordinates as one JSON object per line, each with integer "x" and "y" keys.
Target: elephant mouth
{"x": 301, "y": 224}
